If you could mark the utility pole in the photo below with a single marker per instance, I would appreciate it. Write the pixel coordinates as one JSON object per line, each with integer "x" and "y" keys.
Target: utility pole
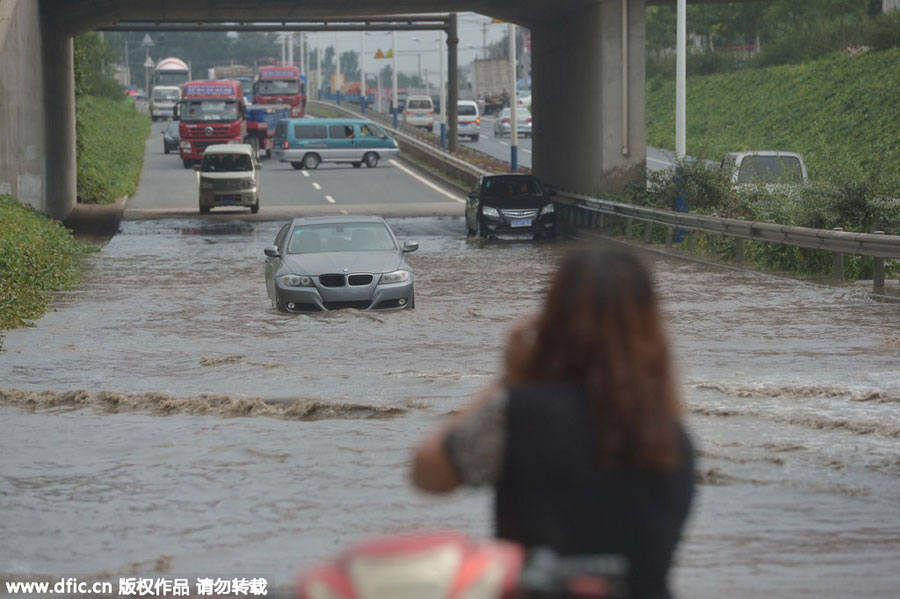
{"x": 484, "y": 27}
{"x": 362, "y": 71}
{"x": 394, "y": 76}
{"x": 513, "y": 104}
{"x": 337, "y": 43}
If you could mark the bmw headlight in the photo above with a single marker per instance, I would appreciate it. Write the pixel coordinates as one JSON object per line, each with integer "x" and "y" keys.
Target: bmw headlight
{"x": 296, "y": 281}
{"x": 490, "y": 211}
{"x": 252, "y": 183}
{"x": 548, "y": 209}
{"x": 398, "y": 276}
{"x": 206, "y": 184}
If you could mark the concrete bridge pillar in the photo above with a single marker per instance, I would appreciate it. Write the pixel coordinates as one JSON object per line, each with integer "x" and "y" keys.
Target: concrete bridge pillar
{"x": 60, "y": 167}
{"x": 588, "y": 97}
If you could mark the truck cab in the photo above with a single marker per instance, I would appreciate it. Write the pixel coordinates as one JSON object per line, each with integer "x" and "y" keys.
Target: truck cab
{"x": 280, "y": 85}
{"x": 211, "y": 112}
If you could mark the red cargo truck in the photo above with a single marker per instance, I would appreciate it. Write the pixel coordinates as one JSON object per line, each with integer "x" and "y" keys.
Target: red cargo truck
{"x": 211, "y": 112}
{"x": 280, "y": 85}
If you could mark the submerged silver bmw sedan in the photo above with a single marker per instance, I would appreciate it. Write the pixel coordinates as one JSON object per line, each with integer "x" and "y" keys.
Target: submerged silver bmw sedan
{"x": 335, "y": 262}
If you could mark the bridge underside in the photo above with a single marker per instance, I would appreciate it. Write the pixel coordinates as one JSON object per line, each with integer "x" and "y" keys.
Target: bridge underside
{"x": 588, "y": 74}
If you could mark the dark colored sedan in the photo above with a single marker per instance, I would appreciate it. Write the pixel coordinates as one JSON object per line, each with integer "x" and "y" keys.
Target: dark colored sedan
{"x": 336, "y": 262}
{"x": 510, "y": 205}
{"x": 170, "y": 137}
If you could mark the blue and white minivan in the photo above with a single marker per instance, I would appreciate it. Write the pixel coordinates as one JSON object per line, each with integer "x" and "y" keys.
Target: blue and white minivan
{"x": 307, "y": 142}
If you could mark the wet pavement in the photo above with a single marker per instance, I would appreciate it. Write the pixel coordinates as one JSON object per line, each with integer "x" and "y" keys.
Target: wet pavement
{"x": 164, "y": 419}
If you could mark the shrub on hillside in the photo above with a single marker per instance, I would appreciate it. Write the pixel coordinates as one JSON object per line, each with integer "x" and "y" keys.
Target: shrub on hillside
{"x": 110, "y": 148}
{"x": 38, "y": 256}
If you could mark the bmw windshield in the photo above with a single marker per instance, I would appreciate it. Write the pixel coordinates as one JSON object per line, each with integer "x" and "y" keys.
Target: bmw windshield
{"x": 206, "y": 111}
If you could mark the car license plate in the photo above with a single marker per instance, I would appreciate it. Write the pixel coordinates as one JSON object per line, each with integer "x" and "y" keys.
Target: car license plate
{"x": 520, "y": 222}
{"x": 227, "y": 201}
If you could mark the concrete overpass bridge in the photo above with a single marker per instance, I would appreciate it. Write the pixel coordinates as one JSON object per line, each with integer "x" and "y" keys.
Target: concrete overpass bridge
{"x": 587, "y": 65}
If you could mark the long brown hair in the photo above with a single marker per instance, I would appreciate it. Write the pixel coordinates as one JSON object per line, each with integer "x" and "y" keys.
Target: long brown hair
{"x": 601, "y": 327}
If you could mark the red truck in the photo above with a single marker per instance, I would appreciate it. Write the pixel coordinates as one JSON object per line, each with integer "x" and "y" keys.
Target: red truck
{"x": 213, "y": 112}
{"x": 280, "y": 85}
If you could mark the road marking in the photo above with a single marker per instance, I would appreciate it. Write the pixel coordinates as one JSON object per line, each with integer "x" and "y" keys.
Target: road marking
{"x": 504, "y": 143}
{"x": 330, "y": 199}
{"x": 426, "y": 182}
{"x": 305, "y": 173}
{"x": 526, "y": 150}
{"x": 317, "y": 186}
{"x": 344, "y": 212}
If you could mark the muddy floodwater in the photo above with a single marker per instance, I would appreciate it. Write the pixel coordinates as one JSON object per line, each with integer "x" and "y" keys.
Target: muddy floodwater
{"x": 165, "y": 420}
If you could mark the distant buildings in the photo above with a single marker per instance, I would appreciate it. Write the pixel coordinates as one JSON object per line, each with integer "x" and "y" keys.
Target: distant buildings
{"x": 887, "y": 5}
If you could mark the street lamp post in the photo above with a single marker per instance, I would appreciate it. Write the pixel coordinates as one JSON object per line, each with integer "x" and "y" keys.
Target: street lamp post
{"x": 441, "y": 93}
{"x": 513, "y": 102}
{"x": 362, "y": 71}
{"x": 337, "y": 44}
{"x": 394, "y": 76}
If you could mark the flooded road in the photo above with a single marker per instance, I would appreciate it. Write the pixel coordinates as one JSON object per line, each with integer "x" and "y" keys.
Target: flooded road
{"x": 166, "y": 420}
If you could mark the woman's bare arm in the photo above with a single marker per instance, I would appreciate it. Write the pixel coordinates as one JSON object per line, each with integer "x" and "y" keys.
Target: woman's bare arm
{"x": 432, "y": 470}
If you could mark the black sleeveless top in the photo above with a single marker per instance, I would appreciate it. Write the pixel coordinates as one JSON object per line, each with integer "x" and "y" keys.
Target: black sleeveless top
{"x": 550, "y": 490}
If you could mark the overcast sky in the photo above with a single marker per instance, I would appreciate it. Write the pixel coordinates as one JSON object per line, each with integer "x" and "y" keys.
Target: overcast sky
{"x": 471, "y": 38}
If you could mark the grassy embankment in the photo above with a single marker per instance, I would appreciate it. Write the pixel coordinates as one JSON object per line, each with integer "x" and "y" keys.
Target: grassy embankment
{"x": 39, "y": 256}
{"x": 110, "y": 146}
{"x": 840, "y": 113}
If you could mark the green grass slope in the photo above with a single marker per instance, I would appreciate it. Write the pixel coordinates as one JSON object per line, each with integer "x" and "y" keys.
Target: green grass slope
{"x": 110, "y": 148}
{"x": 836, "y": 111}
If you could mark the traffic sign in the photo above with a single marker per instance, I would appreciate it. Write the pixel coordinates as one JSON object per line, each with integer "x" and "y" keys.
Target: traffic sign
{"x": 148, "y": 63}
{"x": 147, "y": 41}
{"x": 379, "y": 54}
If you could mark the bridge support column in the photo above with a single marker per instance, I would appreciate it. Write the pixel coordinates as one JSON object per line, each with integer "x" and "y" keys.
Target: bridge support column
{"x": 59, "y": 122}
{"x": 588, "y": 97}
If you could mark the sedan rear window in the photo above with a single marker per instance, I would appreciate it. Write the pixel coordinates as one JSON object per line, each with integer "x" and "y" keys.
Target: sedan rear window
{"x": 340, "y": 237}
{"x": 467, "y": 110}
{"x": 419, "y": 104}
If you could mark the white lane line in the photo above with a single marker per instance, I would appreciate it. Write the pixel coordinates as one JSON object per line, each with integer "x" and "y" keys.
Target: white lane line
{"x": 523, "y": 149}
{"x": 317, "y": 186}
{"x": 502, "y": 142}
{"x": 305, "y": 173}
{"x": 426, "y": 182}
{"x": 330, "y": 199}
{"x": 344, "y": 212}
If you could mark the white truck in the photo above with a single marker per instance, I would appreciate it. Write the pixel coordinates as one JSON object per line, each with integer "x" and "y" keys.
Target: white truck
{"x": 163, "y": 100}
{"x": 770, "y": 168}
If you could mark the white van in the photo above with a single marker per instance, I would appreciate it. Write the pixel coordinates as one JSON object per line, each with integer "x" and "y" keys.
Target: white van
{"x": 163, "y": 100}
{"x": 229, "y": 176}
{"x": 468, "y": 119}
{"x": 419, "y": 112}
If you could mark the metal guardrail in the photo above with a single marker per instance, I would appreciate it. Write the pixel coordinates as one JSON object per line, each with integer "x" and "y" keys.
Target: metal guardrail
{"x": 875, "y": 245}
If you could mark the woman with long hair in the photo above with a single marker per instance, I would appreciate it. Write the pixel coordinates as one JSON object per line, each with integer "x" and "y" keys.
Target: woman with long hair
{"x": 581, "y": 436}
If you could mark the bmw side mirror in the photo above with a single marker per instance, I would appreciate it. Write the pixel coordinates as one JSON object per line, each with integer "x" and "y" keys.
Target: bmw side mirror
{"x": 473, "y": 195}
{"x": 410, "y": 246}
{"x": 257, "y": 165}
{"x": 271, "y": 251}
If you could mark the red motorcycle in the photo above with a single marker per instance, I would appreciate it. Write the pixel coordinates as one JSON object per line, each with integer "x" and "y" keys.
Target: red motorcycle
{"x": 450, "y": 565}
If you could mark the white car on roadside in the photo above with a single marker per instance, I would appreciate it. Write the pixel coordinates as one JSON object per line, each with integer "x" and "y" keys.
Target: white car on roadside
{"x": 468, "y": 119}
